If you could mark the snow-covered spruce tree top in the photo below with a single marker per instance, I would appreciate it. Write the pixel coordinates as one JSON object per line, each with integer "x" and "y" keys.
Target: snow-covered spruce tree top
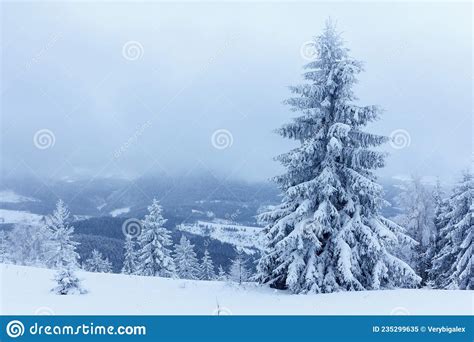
{"x": 327, "y": 234}
{"x": 154, "y": 255}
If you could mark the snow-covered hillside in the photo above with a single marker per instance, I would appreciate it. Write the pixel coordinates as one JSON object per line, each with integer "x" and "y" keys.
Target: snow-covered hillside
{"x": 119, "y": 211}
{"x": 246, "y": 237}
{"x": 25, "y": 290}
{"x": 19, "y": 217}
{"x": 10, "y": 196}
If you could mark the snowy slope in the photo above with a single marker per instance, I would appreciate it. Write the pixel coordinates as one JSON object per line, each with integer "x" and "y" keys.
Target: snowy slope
{"x": 10, "y": 196}
{"x": 246, "y": 237}
{"x": 119, "y": 211}
{"x": 20, "y": 217}
{"x": 25, "y": 290}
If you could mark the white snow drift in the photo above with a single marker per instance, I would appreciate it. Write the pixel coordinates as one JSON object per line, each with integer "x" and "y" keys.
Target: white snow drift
{"x": 26, "y": 290}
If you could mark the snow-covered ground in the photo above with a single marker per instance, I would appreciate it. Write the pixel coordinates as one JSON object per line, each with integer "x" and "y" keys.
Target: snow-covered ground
{"x": 25, "y": 290}
{"x": 19, "y": 217}
{"x": 119, "y": 211}
{"x": 10, "y": 196}
{"x": 246, "y": 237}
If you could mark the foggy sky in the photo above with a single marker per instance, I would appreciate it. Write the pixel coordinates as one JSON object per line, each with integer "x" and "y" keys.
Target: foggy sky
{"x": 206, "y": 67}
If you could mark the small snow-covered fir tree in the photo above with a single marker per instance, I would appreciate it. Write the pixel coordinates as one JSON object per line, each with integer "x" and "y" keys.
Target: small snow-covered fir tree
{"x": 417, "y": 203}
{"x": 62, "y": 250}
{"x": 418, "y": 209}
{"x": 440, "y": 220}
{"x": 5, "y": 256}
{"x": 67, "y": 282}
{"x": 439, "y": 204}
{"x": 327, "y": 234}
{"x": 452, "y": 265}
{"x": 61, "y": 253}
{"x": 97, "y": 263}
{"x": 185, "y": 259}
{"x": 29, "y": 244}
{"x": 221, "y": 274}
{"x": 207, "y": 271}
{"x": 238, "y": 268}
{"x": 154, "y": 254}
{"x": 130, "y": 256}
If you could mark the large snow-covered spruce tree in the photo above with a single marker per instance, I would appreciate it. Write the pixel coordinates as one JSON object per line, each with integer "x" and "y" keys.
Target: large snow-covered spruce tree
{"x": 327, "y": 234}
{"x": 154, "y": 255}
{"x": 452, "y": 265}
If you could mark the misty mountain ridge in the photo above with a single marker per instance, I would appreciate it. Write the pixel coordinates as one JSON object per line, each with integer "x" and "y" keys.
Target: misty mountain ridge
{"x": 99, "y": 207}
{"x": 197, "y": 196}
{"x": 99, "y": 197}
